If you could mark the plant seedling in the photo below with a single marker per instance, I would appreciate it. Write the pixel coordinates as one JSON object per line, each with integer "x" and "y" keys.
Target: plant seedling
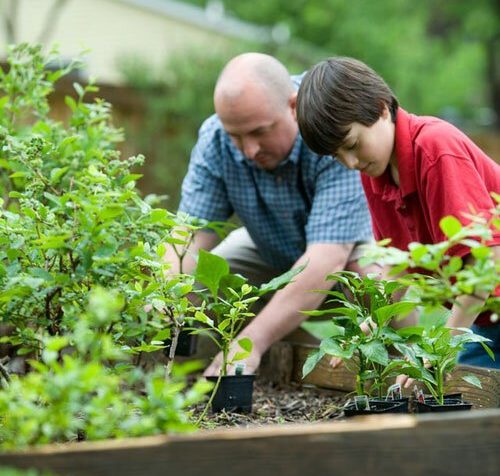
{"x": 360, "y": 329}
{"x": 228, "y": 299}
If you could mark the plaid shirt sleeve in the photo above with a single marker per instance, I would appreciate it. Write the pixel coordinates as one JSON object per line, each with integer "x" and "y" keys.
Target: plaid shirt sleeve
{"x": 204, "y": 192}
{"x": 339, "y": 212}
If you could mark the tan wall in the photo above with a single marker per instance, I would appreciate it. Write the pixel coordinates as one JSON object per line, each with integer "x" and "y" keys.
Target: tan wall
{"x": 110, "y": 29}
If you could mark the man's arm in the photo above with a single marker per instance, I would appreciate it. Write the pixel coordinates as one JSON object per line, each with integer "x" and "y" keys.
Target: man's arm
{"x": 283, "y": 312}
{"x": 205, "y": 240}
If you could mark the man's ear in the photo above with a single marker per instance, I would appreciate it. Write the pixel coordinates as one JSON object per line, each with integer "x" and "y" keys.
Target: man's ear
{"x": 292, "y": 102}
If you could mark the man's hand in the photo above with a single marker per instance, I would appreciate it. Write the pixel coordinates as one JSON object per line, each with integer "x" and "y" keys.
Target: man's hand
{"x": 251, "y": 363}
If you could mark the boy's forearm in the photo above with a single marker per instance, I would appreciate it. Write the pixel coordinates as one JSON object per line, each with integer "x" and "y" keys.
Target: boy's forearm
{"x": 466, "y": 308}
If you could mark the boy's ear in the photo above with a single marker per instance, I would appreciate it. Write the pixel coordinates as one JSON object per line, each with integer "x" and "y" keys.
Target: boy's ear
{"x": 385, "y": 111}
{"x": 292, "y": 102}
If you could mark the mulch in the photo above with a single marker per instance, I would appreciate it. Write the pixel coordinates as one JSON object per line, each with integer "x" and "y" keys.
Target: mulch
{"x": 275, "y": 405}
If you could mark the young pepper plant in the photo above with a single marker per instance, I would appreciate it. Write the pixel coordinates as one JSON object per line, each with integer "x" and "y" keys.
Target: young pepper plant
{"x": 360, "y": 329}
{"x": 434, "y": 350}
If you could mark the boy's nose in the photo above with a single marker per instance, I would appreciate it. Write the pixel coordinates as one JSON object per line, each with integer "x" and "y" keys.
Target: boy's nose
{"x": 351, "y": 161}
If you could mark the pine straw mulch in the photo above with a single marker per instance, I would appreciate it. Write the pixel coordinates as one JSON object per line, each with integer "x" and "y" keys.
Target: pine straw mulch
{"x": 273, "y": 405}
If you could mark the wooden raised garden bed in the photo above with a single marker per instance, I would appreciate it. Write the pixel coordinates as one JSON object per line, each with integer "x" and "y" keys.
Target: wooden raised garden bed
{"x": 455, "y": 443}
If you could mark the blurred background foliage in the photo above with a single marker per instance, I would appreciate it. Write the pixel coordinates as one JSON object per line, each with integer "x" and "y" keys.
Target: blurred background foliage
{"x": 440, "y": 57}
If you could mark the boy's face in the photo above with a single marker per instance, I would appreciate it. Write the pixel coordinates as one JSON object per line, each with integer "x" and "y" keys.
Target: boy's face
{"x": 369, "y": 149}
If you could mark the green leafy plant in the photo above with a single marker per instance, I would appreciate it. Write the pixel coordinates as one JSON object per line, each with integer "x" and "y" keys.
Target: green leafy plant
{"x": 71, "y": 217}
{"x": 228, "y": 299}
{"x": 442, "y": 277}
{"x": 74, "y": 392}
{"x": 359, "y": 332}
{"x": 434, "y": 350}
{"x": 436, "y": 278}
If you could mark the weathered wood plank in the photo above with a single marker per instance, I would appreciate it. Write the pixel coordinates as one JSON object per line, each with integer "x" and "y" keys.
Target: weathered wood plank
{"x": 277, "y": 364}
{"x": 342, "y": 379}
{"x": 463, "y": 443}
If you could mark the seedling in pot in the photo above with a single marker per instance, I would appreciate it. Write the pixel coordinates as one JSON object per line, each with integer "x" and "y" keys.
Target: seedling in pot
{"x": 359, "y": 332}
{"x": 435, "y": 350}
{"x": 228, "y": 299}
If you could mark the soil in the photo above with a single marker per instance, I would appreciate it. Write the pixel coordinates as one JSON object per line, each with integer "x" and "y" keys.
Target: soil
{"x": 274, "y": 405}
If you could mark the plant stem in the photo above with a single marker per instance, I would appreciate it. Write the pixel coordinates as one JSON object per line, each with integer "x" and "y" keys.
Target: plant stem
{"x": 171, "y": 353}
{"x": 210, "y": 400}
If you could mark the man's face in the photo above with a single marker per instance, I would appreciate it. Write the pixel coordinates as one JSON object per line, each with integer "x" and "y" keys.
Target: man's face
{"x": 369, "y": 149}
{"x": 264, "y": 132}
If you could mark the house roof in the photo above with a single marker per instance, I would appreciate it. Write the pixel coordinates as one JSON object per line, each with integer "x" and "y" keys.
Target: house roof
{"x": 211, "y": 18}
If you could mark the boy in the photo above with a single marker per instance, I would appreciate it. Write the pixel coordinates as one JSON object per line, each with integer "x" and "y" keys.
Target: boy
{"x": 415, "y": 170}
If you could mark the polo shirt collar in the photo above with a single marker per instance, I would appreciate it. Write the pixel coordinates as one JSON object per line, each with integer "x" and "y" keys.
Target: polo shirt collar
{"x": 405, "y": 153}
{"x": 403, "y": 145}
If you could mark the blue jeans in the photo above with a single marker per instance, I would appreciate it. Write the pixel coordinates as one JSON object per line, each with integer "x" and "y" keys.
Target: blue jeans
{"x": 474, "y": 354}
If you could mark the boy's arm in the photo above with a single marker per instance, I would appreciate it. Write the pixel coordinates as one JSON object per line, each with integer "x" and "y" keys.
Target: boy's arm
{"x": 465, "y": 309}
{"x": 283, "y": 312}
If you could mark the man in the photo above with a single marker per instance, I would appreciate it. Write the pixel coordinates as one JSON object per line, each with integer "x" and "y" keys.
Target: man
{"x": 296, "y": 207}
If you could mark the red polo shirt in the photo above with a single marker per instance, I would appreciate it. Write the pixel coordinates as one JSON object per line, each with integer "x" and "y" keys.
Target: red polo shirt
{"x": 441, "y": 172}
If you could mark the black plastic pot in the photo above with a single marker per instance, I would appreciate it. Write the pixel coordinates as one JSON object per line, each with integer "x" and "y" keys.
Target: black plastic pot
{"x": 186, "y": 344}
{"x": 378, "y": 407}
{"x": 234, "y": 394}
{"x": 452, "y": 403}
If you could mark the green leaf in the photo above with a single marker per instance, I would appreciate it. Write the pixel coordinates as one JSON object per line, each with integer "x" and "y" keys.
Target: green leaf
{"x": 481, "y": 252}
{"x": 375, "y": 351}
{"x": 162, "y": 335}
{"x": 312, "y": 360}
{"x": 246, "y": 344}
{"x": 56, "y": 174}
{"x": 433, "y": 317}
{"x": 224, "y": 324}
{"x": 70, "y": 102}
{"x": 332, "y": 347}
{"x": 240, "y": 356}
{"x": 322, "y": 329}
{"x": 56, "y": 343}
{"x": 450, "y": 226}
{"x": 18, "y": 175}
{"x": 203, "y": 318}
{"x": 418, "y": 251}
{"x": 473, "y": 380}
{"x": 280, "y": 281}
{"x": 210, "y": 270}
{"x": 385, "y": 313}
{"x": 79, "y": 90}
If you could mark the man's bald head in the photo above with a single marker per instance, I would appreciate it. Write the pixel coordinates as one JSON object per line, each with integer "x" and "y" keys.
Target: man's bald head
{"x": 254, "y": 71}
{"x": 255, "y": 101}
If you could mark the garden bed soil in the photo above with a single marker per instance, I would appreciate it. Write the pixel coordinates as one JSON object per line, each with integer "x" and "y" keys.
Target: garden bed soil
{"x": 275, "y": 405}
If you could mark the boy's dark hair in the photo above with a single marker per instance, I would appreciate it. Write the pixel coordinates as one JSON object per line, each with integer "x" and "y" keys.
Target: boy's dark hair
{"x": 334, "y": 94}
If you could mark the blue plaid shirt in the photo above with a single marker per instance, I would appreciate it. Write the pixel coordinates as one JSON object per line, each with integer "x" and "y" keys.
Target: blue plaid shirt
{"x": 307, "y": 199}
